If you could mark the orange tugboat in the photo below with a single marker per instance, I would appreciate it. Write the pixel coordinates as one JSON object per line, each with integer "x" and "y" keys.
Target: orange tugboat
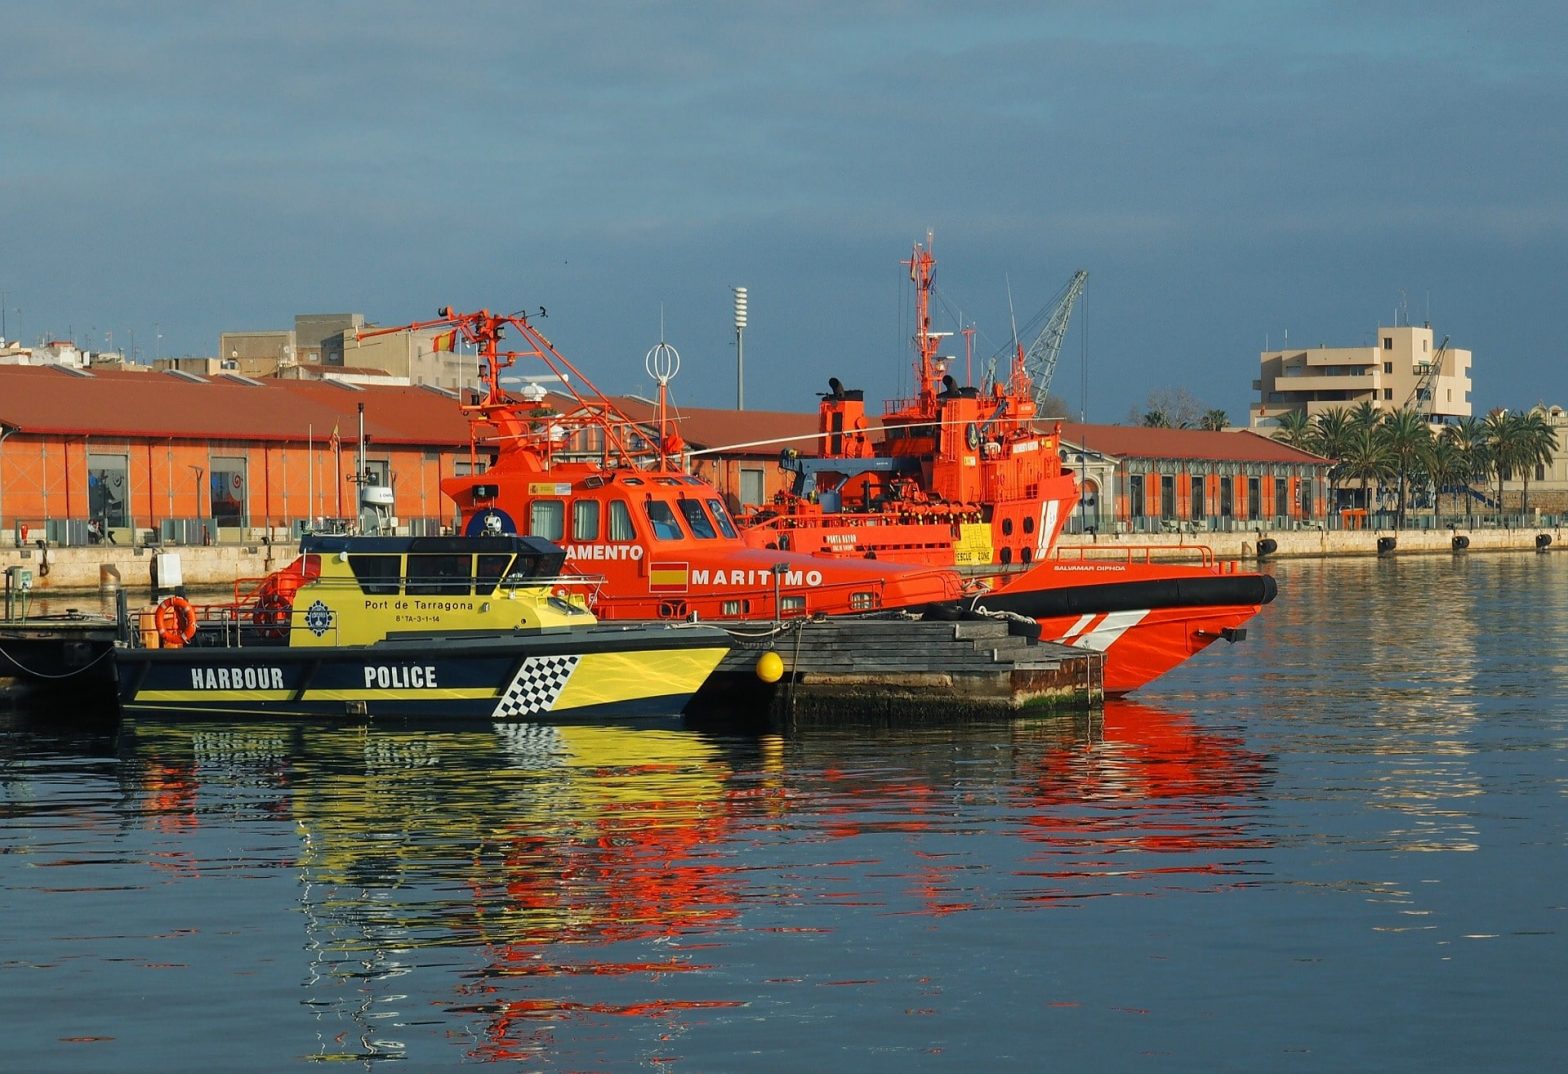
{"x": 659, "y": 539}
{"x": 962, "y": 477}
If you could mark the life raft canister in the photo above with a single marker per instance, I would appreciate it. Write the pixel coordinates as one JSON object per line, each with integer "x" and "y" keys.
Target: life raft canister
{"x": 176, "y": 621}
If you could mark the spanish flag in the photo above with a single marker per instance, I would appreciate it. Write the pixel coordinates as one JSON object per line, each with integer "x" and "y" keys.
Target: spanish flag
{"x": 668, "y": 577}
{"x": 445, "y": 341}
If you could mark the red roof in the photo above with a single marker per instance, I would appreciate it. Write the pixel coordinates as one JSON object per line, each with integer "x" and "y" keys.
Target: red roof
{"x": 1149, "y": 442}
{"x": 52, "y": 401}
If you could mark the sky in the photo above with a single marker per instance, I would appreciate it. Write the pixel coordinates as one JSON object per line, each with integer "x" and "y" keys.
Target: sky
{"x": 1234, "y": 176}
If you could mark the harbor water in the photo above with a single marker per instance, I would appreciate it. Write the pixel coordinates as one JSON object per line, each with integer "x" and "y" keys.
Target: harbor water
{"x": 1338, "y": 845}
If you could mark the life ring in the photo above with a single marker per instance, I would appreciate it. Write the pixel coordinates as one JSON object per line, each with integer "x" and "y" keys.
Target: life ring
{"x": 272, "y": 616}
{"x": 176, "y": 622}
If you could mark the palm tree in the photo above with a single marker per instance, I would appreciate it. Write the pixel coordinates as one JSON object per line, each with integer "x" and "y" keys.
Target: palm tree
{"x": 1537, "y": 447}
{"x": 1365, "y": 414}
{"x": 1331, "y": 439}
{"x": 1469, "y": 438}
{"x": 1505, "y": 448}
{"x": 1215, "y": 420}
{"x": 1367, "y": 458}
{"x": 1156, "y": 419}
{"x": 1295, "y": 429}
{"x": 1405, "y": 434}
{"x": 1444, "y": 464}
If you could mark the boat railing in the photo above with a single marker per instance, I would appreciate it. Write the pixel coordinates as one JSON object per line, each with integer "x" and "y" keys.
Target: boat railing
{"x": 1137, "y": 553}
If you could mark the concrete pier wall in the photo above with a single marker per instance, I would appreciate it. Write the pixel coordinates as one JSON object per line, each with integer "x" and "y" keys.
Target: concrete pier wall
{"x": 218, "y": 566}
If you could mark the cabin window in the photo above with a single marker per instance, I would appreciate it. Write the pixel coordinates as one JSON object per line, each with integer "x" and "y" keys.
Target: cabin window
{"x": 722, "y": 517}
{"x": 447, "y": 574}
{"x": 665, "y": 527}
{"x": 697, "y": 519}
{"x": 864, "y": 601}
{"x": 792, "y": 604}
{"x": 735, "y": 607}
{"x": 492, "y": 567}
{"x": 547, "y": 519}
{"x": 377, "y": 574}
{"x": 585, "y": 520}
{"x": 621, "y": 528}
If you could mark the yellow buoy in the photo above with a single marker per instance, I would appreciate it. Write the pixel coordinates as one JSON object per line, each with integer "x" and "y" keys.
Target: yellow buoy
{"x": 770, "y": 666}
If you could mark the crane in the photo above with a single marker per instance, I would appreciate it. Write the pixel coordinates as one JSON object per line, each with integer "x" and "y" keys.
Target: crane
{"x": 1040, "y": 359}
{"x": 1425, "y": 388}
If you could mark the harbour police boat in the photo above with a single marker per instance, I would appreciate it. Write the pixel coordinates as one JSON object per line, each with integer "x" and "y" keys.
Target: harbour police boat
{"x": 414, "y": 628}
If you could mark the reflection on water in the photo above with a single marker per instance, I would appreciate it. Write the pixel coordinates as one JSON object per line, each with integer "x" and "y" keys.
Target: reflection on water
{"x": 1374, "y": 766}
{"x": 488, "y": 873}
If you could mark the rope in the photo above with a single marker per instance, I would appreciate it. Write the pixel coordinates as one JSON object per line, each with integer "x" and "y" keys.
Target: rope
{"x": 68, "y": 675}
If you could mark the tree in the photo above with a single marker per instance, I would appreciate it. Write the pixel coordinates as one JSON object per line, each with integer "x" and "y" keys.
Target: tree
{"x": 1445, "y": 465}
{"x": 1405, "y": 434}
{"x": 1537, "y": 447}
{"x": 1295, "y": 429}
{"x": 1505, "y": 447}
{"x": 1214, "y": 420}
{"x": 1364, "y": 414}
{"x": 1469, "y": 438}
{"x": 1181, "y": 408}
{"x": 1156, "y": 419}
{"x": 1367, "y": 458}
{"x": 1054, "y": 406}
{"x": 1331, "y": 439}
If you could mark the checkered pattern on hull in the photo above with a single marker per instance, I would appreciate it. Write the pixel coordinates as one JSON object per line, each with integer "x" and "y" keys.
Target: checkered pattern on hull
{"x": 535, "y": 687}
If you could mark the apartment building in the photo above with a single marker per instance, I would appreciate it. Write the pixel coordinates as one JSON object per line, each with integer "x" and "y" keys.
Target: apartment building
{"x": 1405, "y": 367}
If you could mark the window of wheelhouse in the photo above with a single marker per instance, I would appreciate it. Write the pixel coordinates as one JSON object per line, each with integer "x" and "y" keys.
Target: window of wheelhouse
{"x": 447, "y": 574}
{"x": 662, "y": 518}
{"x": 696, "y": 518}
{"x": 722, "y": 517}
{"x": 377, "y": 574}
{"x": 620, "y": 527}
{"x": 547, "y": 519}
{"x": 491, "y": 568}
{"x": 585, "y": 520}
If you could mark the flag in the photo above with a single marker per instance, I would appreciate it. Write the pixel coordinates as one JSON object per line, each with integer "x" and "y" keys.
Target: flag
{"x": 668, "y": 577}
{"x": 444, "y": 341}
{"x": 336, "y": 440}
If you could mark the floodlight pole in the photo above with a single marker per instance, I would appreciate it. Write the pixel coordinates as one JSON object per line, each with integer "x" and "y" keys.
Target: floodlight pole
{"x": 740, "y": 348}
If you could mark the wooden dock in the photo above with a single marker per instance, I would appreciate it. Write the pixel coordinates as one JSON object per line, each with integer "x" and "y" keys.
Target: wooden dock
{"x": 903, "y": 670}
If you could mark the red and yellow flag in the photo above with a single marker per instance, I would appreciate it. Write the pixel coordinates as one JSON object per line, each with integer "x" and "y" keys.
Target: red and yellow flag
{"x": 668, "y": 577}
{"x": 444, "y": 341}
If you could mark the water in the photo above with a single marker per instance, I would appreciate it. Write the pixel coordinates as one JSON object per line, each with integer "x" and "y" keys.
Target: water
{"x": 1336, "y": 846}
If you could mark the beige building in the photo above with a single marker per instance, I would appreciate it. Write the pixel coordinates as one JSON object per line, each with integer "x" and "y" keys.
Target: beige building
{"x": 342, "y": 345}
{"x": 1406, "y": 367}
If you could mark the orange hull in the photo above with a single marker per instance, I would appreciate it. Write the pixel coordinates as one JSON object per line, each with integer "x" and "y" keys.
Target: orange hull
{"x": 1145, "y": 617}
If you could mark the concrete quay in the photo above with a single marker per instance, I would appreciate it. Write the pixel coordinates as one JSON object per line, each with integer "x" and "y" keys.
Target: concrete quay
{"x": 99, "y": 567}
{"x": 1302, "y": 543}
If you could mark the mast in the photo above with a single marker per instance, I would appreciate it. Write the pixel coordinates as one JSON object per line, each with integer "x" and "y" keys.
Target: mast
{"x": 921, "y": 265}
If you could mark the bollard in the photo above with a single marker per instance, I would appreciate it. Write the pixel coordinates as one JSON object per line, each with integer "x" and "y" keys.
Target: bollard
{"x": 1543, "y": 541}
{"x": 1386, "y": 545}
{"x": 1267, "y": 547}
{"x": 1460, "y": 542}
